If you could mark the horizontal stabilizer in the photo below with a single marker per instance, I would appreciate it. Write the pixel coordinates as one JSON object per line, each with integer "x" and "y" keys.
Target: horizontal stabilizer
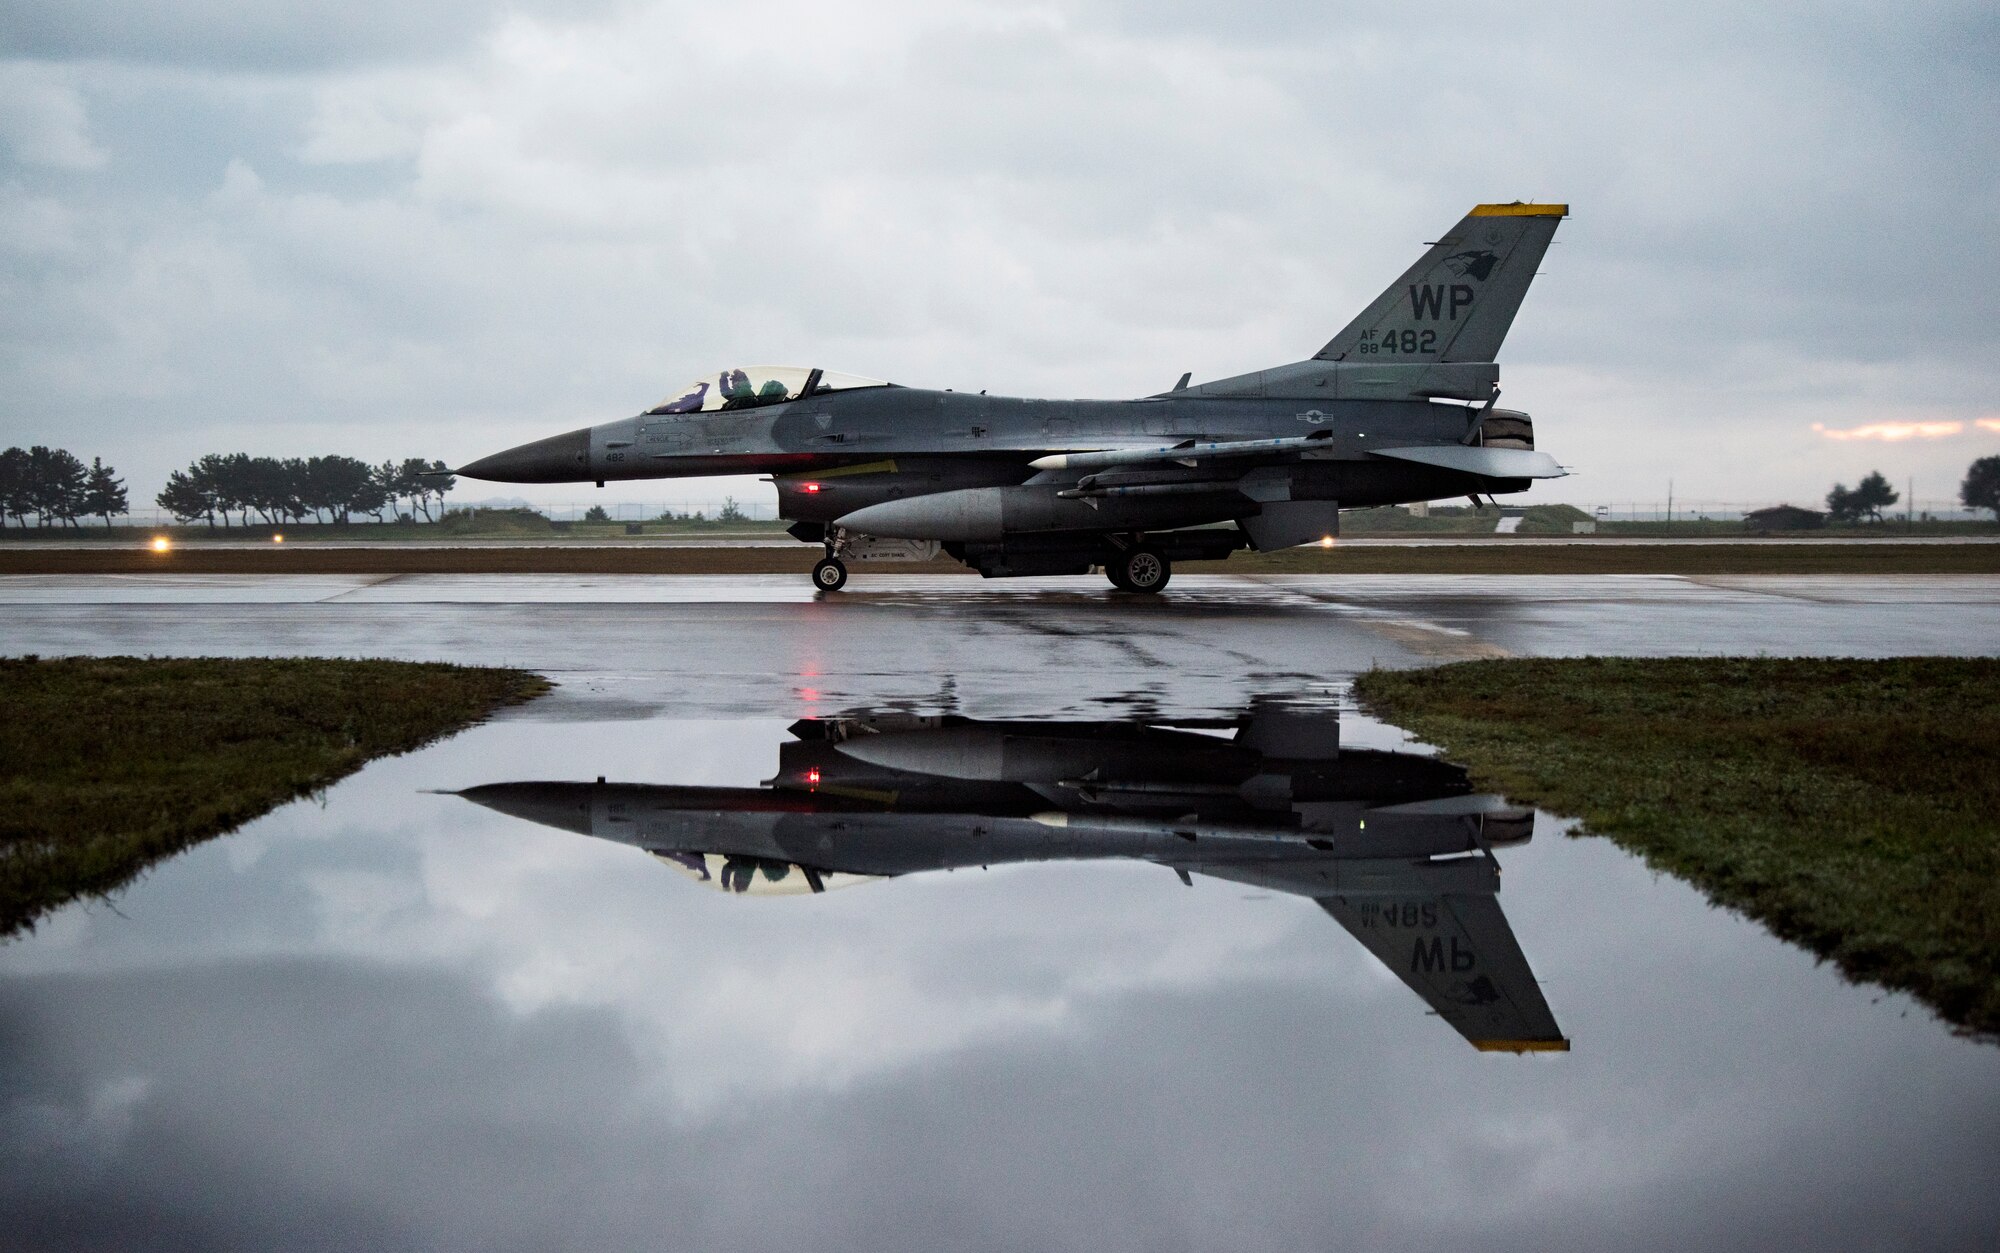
{"x": 1493, "y": 463}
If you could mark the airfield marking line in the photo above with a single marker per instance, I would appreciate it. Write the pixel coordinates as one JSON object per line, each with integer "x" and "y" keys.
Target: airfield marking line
{"x": 1432, "y": 640}
{"x": 1421, "y": 636}
{"x": 372, "y": 581}
{"x": 1729, "y": 583}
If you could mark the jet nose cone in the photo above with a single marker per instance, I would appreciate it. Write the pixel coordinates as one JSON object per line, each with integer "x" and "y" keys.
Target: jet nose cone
{"x": 562, "y": 805}
{"x": 557, "y": 459}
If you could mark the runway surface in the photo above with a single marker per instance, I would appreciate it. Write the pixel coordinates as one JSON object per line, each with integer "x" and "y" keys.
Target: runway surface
{"x": 741, "y": 642}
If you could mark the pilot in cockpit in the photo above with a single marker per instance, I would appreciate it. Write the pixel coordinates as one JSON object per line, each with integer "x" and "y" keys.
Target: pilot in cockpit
{"x": 738, "y": 392}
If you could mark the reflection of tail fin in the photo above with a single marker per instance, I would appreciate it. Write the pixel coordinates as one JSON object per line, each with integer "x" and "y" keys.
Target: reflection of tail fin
{"x": 1457, "y": 301}
{"x": 1458, "y": 953}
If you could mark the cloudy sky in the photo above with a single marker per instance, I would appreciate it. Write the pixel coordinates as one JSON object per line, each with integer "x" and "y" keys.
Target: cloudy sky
{"x": 439, "y": 227}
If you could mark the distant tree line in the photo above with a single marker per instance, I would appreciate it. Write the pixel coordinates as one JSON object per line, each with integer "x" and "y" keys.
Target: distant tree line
{"x": 56, "y": 488}
{"x": 215, "y": 487}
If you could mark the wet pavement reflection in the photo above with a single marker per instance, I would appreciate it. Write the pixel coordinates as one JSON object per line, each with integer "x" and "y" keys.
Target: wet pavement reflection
{"x": 528, "y": 988}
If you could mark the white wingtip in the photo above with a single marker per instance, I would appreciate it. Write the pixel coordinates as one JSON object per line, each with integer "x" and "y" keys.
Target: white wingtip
{"x": 1055, "y": 462}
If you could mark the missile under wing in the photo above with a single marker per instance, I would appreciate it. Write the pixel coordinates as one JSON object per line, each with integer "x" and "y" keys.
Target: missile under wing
{"x": 1399, "y": 406}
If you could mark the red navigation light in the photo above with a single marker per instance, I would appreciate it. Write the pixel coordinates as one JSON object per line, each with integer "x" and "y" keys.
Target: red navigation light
{"x": 809, "y": 488}
{"x": 812, "y": 776}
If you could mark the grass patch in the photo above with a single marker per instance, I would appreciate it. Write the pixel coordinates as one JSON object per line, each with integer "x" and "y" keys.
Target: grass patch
{"x": 114, "y": 763}
{"x": 1853, "y": 807}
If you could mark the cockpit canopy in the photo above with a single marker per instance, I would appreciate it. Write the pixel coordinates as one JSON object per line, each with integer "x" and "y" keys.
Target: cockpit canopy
{"x": 751, "y": 386}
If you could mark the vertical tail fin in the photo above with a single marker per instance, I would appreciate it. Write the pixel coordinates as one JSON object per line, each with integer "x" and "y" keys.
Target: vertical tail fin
{"x": 1457, "y": 301}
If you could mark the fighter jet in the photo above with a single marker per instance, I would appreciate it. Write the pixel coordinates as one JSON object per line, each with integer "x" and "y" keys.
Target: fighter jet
{"x": 1400, "y": 406}
{"x": 1393, "y": 845}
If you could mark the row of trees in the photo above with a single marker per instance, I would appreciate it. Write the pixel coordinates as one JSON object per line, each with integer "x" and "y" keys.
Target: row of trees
{"x": 56, "y": 487}
{"x": 334, "y": 488}
{"x": 1868, "y": 498}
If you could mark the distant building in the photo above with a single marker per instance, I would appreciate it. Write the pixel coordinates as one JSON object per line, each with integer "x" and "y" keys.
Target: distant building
{"x": 1784, "y": 518}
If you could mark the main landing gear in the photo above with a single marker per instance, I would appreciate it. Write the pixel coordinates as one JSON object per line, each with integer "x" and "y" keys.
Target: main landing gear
{"x": 1138, "y": 570}
{"x": 830, "y": 575}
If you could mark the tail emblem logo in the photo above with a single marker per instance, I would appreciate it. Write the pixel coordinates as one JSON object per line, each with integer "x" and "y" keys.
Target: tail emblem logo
{"x": 1478, "y": 263}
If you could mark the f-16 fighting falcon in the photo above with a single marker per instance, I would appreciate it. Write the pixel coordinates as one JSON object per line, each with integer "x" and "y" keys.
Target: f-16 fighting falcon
{"x": 1398, "y": 407}
{"x": 1394, "y": 845}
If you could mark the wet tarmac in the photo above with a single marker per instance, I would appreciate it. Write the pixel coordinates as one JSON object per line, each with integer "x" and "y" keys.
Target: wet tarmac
{"x": 596, "y": 1001}
{"x": 693, "y": 644}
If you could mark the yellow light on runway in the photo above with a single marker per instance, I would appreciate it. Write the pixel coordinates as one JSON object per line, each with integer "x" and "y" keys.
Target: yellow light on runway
{"x": 278, "y": 537}
{"x": 1326, "y": 541}
{"x": 160, "y": 544}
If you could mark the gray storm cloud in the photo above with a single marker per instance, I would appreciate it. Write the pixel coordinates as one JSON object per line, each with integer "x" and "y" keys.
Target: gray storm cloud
{"x": 441, "y": 229}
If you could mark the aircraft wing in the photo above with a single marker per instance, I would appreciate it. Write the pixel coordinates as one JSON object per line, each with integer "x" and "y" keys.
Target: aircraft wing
{"x": 1457, "y": 952}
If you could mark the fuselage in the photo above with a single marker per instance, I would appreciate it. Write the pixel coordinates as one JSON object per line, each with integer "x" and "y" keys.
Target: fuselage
{"x": 831, "y": 453}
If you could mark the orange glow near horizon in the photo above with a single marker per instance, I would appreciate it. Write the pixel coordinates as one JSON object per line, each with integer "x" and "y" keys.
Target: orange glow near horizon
{"x": 1988, "y": 424}
{"x": 1895, "y": 432}
{"x": 278, "y": 538}
{"x": 161, "y": 544}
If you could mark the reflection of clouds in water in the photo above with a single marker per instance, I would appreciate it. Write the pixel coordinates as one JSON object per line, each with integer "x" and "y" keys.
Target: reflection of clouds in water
{"x": 498, "y": 1035}
{"x": 362, "y": 1105}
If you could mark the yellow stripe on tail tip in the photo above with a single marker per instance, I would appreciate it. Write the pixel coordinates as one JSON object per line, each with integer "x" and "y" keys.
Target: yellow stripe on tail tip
{"x": 1521, "y": 1046}
{"x": 1519, "y": 210}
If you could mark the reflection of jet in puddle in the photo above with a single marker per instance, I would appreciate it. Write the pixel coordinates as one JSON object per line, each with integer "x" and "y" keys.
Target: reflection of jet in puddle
{"x": 1394, "y": 845}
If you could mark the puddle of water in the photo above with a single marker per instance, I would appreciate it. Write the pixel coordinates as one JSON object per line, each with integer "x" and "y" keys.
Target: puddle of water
{"x": 574, "y": 982}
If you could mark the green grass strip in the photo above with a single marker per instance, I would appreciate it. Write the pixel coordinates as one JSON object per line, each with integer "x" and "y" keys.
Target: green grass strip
{"x": 110, "y": 764}
{"x": 1853, "y": 807}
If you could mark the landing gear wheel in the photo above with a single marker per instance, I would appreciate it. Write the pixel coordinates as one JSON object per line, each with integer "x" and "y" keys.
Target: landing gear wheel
{"x": 1140, "y": 570}
{"x": 830, "y": 575}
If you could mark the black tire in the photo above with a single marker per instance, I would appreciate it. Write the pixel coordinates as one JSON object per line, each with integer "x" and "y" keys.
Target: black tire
{"x": 1113, "y": 570}
{"x": 830, "y": 575}
{"x": 1143, "y": 570}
